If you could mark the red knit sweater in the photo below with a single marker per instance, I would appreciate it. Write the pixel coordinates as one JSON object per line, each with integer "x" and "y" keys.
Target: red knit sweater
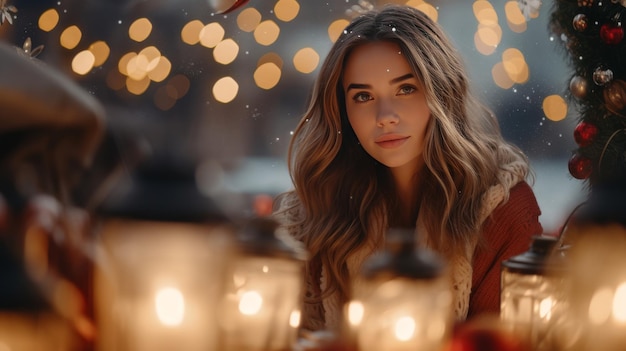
{"x": 507, "y": 232}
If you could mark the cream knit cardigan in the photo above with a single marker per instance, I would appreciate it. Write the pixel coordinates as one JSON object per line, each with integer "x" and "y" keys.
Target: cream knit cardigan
{"x": 460, "y": 267}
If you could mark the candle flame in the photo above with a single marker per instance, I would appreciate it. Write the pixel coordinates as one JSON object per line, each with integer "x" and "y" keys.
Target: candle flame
{"x": 250, "y": 303}
{"x": 294, "y": 319}
{"x": 169, "y": 304}
{"x": 355, "y": 312}
{"x": 404, "y": 328}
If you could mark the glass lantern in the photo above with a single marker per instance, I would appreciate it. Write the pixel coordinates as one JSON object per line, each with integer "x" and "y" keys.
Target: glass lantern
{"x": 404, "y": 301}
{"x": 531, "y": 297}
{"x": 261, "y": 307}
{"x": 162, "y": 254}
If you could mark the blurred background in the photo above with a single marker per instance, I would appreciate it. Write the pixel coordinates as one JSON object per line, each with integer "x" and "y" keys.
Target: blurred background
{"x": 225, "y": 91}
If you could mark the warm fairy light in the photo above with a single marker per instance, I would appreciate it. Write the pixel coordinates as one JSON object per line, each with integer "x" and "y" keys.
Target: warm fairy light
{"x": 122, "y": 64}
{"x": 487, "y": 38}
{"x": 48, "y": 20}
{"x": 266, "y": 33}
{"x": 248, "y": 19}
{"x": 211, "y": 35}
{"x": 137, "y": 67}
{"x": 515, "y": 65}
{"x": 306, "y": 60}
{"x": 250, "y": 303}
{"x": 100, "y": 51}
{"x": 190, "y": 34}
{"x": 514, "y": 17}
{"x": 484, "y": 12}
{"x": 152, "y": 55}
{"x": 500, "y": 77}
{"x": 425, "y": 7}
{"x": 271, "y": 57}
{"x": 140, "y": 29}
{"x": 169, "y": 304}
{"x": 555, "y": 108}
{"x": 161, "y": 70}
{"x": 137, "y": 87}
{"x": 83, "y": 62}
{"x": 404, "y": 328}
{"x": 226, "y": 51}
{"x": 115, "y": 80}
{"x": 336, "y": 28}
{"x": 294, "y": 319}
{"x": 178, "y": 86}
{"x": 225, "y": 90}
{"x": 70, "y": 37}
{"x": 355, "y": 312}
{"x": 286, "y": 10}
{"x": 267, "y": 75}
{"x": 162, "y": 99}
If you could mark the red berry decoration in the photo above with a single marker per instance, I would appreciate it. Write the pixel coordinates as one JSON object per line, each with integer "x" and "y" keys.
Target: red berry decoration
{"x": 611, "y": 34}
{"x": 585, "y": 133}
{"x": 580, "y": 167}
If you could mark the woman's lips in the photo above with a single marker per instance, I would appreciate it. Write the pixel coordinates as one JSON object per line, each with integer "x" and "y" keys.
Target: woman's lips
{"x": 390, "y": 141}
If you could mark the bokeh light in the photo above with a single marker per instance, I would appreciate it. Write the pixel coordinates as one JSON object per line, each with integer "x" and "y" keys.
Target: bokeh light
{"x": 267, "y": 75}
{"x": 286, "y": 10}
{"x": 248, "y": 19}
{"x": 336, "y": 28}
{"x": 306, "y": 60}
{"x": 226, "y": 51}
{"x": 70, "y": 37}
{"x": 140, "y": 29}
{"x": 211, "y": 34}
{"x": 48, "y": 20}
{"x": 555, "y": 108}
{"x": 100, "y": 51}
{"x": 190, "y": 34}
{"x": 225, "y": 90}
{"x": 83, "y": 62}
{"x": 266, "y": 33}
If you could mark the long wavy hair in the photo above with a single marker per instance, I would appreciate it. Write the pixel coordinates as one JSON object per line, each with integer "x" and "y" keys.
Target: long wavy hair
{"x": 344, "y": 198}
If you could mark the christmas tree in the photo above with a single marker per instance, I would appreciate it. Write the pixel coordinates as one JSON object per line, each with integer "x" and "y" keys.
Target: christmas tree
{"x": 591, "y": 34}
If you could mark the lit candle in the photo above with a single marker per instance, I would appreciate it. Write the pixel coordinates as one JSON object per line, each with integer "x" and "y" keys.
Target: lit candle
{"x": 261, "y": 307}
{"x": 159, "y": 284}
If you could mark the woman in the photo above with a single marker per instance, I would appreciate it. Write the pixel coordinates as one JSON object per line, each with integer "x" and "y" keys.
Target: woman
{"x": 392, "y": 137}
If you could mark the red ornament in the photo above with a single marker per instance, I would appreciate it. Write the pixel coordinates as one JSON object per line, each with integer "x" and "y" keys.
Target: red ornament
{"x": 611, "y": 34}
{"x": 580, "y": 167}
{"x": 585, "y": 133}
{"x": 223, "y": 7}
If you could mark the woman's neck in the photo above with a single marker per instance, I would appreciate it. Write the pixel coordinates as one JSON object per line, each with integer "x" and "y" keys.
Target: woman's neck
{"x": 408, "y": 184}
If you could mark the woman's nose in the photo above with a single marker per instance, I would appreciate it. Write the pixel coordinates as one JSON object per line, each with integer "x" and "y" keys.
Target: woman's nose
{"x": 386, "y": 114}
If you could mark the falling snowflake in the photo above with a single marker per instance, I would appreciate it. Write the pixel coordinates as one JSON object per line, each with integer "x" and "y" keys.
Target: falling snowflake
{"x": 6, "y": 12}
{"x": 530, "y": 8}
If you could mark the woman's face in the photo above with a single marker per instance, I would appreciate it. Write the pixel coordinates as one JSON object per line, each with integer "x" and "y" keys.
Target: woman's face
{"x": 386, "y": 105}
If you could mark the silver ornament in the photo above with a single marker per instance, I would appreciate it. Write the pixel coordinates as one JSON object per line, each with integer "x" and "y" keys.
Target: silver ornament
{"x": 602, "y": 76}
{"x": 580, "y": 22}
{"x": 578, "y": 86}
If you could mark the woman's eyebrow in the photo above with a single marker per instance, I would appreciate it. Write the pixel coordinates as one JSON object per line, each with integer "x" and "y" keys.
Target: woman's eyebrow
{"x": 367, "y": 86}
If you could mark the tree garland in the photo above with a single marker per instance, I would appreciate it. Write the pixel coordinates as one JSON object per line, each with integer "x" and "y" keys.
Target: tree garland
{"x": 592, "y": 37}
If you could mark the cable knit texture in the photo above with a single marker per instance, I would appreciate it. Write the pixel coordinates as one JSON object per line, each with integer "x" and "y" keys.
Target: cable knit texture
{"x": 509, "y": 214}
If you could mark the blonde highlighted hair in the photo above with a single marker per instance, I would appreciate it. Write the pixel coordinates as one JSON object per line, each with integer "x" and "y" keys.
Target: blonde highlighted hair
{"x": 343, "y": 199}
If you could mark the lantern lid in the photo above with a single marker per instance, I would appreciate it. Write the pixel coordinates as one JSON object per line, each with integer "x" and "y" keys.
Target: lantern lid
{"x": 537, "y": 259}
{"x": 262, "y": 236}
{"x": 403, "y": 259}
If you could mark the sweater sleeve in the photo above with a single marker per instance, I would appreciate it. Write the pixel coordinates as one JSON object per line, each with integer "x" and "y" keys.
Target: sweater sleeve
{"x": 506, "y": 233}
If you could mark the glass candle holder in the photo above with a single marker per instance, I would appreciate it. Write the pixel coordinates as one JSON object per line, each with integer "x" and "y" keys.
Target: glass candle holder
{"x": 532, "y": 300}
{"x": 405, "y": 301}
{"x": 158, "y": 284}
{"x": 260, "y": 309}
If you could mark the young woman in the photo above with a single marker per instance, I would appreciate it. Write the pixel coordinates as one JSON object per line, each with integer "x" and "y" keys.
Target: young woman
{"x": 392, "y": 137}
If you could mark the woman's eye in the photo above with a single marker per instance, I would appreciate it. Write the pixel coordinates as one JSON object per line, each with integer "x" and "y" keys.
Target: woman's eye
{"x": 362, "y": 97}
{"x": 405, "y": 90}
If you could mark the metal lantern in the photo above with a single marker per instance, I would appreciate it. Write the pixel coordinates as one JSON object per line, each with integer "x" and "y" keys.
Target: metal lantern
{"x": 263, "y": 292}
{"x": 404, "y": 300}
{"x": 531, "y": 296}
